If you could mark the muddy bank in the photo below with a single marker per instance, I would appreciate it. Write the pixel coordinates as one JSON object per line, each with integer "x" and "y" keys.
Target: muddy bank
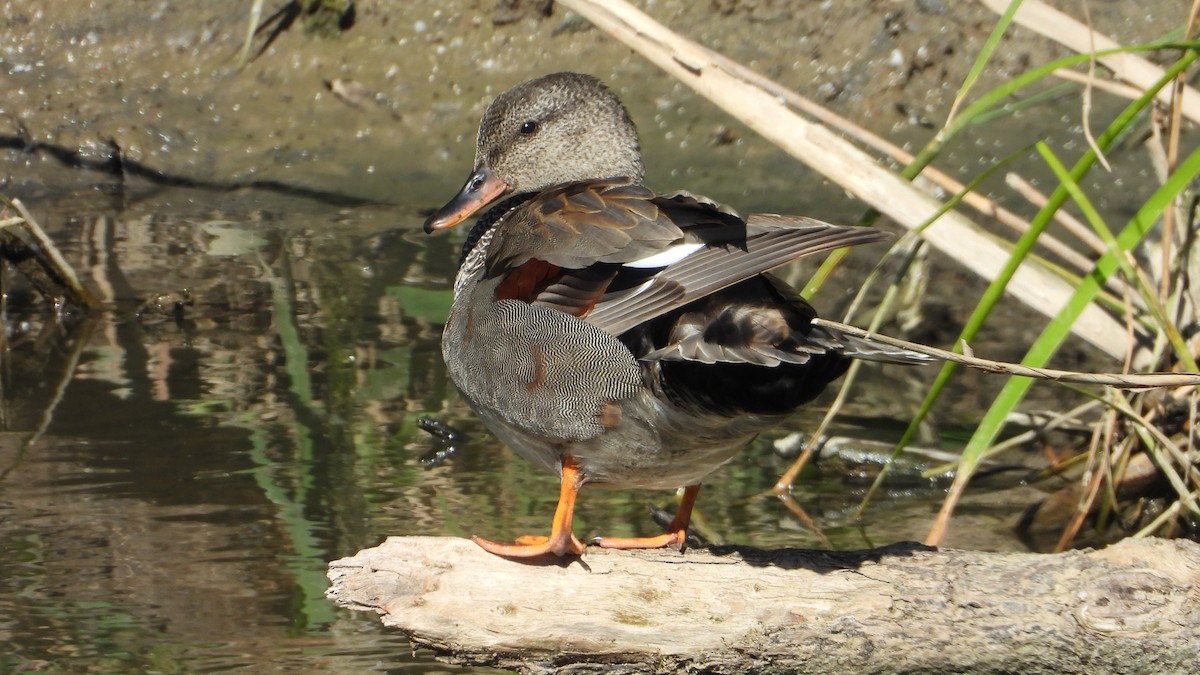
{"x": 121, "y": 82}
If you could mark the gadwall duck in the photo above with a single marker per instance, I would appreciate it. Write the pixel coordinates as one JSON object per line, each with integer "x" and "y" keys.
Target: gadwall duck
{"x": 615, "y": 336}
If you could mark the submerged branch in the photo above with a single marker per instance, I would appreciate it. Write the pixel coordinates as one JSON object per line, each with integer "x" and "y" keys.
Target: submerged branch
{"x": 26, "y": 245}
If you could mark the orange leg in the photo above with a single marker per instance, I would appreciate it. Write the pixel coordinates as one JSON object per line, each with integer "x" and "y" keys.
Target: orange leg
{"x": 676, "y": 534}
{"x": 562, "y": 541}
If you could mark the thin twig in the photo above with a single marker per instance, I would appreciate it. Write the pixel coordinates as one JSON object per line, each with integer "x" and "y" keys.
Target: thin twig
{"x": 255, "y": 16}
{"x": 1091, "y": 479}
{"x": 1163, "y": 518}
{"x": 1168, "y": 217}
{"x": 1086, "y": 113}
{"x": 60, "y": 388}
{"x": 1118, "y": 380}
{"x": 1040, "y": 18}
{"x": 1058, "y": 420}
{"x": 1076, "y": 228}
{"x": 1072, "y": 224}
{"x": 1114, "y": 88}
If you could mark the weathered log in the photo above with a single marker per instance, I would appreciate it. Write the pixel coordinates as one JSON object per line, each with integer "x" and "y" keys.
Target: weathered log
{"x": 1132, "y": 607}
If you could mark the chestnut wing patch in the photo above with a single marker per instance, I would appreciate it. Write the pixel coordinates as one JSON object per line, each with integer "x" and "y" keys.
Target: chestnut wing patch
{"x": 573, "y": 292}
{"x": 564, "y": 248}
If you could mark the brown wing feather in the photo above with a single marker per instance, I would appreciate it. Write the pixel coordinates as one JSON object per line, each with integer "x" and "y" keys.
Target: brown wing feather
{"x": 549, "y": 243}
{"x": 578, "y": 224}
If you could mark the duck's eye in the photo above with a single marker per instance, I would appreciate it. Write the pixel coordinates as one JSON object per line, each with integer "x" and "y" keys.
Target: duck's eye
{"x": 530, "y": 127}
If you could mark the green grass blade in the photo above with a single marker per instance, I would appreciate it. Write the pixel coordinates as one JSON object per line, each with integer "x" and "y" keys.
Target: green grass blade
{"x": 1162, "y": 323}
{"x": 994, "y": 419}
{"x": 985, "y": 55}
{"x": 943, "y": 376}
{"x": 1056, "y": 331}
{"x": 998, "y": 96}
{"x": 980, "y": 110}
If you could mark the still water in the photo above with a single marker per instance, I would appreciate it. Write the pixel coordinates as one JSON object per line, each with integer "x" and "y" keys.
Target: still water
{"x": 176, "y": 472}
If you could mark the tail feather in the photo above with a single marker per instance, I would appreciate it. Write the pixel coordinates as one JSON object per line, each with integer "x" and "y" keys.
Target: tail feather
{"x": 870, "y": 350}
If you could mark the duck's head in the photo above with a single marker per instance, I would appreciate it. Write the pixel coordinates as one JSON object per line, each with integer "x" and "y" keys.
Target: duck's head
{"x": 559, "y": 128}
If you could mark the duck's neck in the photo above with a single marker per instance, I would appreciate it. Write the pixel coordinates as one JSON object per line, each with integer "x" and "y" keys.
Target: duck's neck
{"x": 490, "y": 218}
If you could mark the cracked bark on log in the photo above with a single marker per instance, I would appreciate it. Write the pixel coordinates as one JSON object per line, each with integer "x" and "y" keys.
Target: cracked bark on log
{"x": 1132, "y": 607}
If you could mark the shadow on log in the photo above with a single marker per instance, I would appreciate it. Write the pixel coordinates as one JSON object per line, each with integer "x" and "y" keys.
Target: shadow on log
{"x": 1132, "y": 607}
